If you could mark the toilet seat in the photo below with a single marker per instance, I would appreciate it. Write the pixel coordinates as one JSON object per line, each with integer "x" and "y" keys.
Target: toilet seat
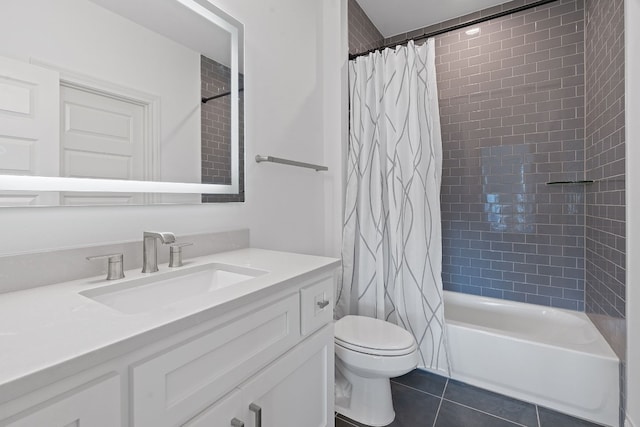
{"x": 373, "y": 336}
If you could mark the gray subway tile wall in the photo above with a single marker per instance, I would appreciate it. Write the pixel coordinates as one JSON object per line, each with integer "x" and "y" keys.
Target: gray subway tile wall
{"x": 512, "y": 118}
{"x": 216, "y": 144}
{"x": 605, "y": 269}
{"x": 215, "y": 130}
{"x": 363, "y": 34}
{"x": 605, "y": 145}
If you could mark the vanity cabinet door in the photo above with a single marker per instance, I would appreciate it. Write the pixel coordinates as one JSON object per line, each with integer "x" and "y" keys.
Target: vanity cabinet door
{"x": 297, "y": 389}
{"x": 221, "y": 413}
{"x": 95, "y": 405}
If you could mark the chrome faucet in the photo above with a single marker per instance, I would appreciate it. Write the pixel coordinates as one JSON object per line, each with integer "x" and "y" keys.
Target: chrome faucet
{"x": 150, "y": 249}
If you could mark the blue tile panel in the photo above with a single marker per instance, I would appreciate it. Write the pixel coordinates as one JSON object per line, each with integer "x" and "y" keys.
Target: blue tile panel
{"x": 605, "y": 268}
{"x": 215, "y": 78}
{"x": 363, "y": 34}
{"x": 605, "y": 150}
{"x": 512, "y": 118}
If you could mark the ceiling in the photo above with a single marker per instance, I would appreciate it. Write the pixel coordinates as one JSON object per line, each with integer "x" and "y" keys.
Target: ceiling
{"x": 401, "y": 16}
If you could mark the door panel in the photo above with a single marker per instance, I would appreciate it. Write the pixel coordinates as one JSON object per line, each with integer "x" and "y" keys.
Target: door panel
{"x": 29, "y": 127}
{"x": 103, "y": 132}
{"x": 297, "y": 389}
{"x": 102, "y": 137}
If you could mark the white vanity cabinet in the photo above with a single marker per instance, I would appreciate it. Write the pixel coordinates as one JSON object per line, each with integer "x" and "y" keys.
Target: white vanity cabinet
{"x": 96, "y": 404}
{"x": 294, "y": 390}
{"x": 176, "y": 384}
{"x": 291, "y": 392}
{"x": 264, "y": 363}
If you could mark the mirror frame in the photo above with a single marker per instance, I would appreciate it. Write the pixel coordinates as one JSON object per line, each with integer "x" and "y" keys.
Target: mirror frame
{"x": 46, "y": 183}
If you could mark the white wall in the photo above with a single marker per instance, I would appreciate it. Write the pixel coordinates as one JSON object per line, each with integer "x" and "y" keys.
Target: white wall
{"x": 83, "y": 38}
{"x": 632, "y": 125}
{"x": 286, "y": 77}
{"x": 336, "y": 94}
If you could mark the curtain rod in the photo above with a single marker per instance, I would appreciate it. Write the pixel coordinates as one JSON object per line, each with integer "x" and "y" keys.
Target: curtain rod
{"x": 220, "y": 95}
{"x": 456, "y": 27}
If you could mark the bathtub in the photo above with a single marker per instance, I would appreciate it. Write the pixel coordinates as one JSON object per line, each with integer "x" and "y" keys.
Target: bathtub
{"x": 552, "y": 357}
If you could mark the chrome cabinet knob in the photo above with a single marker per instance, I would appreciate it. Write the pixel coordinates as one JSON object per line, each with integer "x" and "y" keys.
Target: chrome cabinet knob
{"x": 322, "y": 304}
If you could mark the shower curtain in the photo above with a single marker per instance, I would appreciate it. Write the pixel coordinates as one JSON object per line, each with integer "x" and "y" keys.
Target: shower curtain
{"x": 392, "y": 249}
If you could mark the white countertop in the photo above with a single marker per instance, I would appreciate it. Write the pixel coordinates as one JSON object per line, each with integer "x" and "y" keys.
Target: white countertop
{"x": 54, "y": 327}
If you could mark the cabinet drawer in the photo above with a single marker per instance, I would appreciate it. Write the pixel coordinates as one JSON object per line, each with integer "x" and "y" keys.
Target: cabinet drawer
{"x": 174, "y": 386}
{"x": 316, "y": 305}
{"x": 96, "y": 404}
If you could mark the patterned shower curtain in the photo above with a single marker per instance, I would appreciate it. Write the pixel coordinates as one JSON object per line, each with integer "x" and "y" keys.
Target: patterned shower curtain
{"x": 392, "y": 249}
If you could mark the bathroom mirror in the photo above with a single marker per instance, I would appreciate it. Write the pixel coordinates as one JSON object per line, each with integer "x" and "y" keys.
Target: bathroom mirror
{"x": 120, "y": 102}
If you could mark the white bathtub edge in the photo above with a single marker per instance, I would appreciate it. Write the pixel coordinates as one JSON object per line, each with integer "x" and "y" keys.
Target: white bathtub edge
{"x": 604, "y": 351}
{"x": 483, "y": 357}
{"x": 525, "y": 397}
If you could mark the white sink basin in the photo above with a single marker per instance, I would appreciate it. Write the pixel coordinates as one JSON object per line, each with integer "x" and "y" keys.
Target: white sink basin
{"x": 164, "y": 289}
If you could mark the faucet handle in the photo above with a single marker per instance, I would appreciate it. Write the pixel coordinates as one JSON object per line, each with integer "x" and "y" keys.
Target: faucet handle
{"x": 114, "y": 266}
{"x": 175, "y": 254}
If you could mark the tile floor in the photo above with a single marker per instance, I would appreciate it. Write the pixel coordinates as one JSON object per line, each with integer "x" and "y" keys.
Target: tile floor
{"x": 422, "y": 399}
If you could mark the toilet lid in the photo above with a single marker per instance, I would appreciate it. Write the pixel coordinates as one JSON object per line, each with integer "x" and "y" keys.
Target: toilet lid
{"x": 373, "y": 336}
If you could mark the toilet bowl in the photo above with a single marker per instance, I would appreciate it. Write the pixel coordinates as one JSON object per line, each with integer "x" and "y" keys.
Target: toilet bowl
{"x": 368, "y": 353}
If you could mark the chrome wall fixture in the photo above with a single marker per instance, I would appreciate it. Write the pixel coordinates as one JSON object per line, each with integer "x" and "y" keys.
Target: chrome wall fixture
{"x": 318, "y": 168}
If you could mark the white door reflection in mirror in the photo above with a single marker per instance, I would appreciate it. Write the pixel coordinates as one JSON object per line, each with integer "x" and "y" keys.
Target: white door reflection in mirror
{"x": 28, "y": 127}
{"x": 102, "y": 137}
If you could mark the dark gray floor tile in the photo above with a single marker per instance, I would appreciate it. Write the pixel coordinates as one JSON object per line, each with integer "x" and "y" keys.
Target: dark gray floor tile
{"x": 347, "y": 422}
{"x": 453, "y": 415}
{"x": 342, "y": 423}
{"x": 463, "y": 406}
{"x": 424, "y": 381}
{"x": 551, "y": 418}
{"x": 413, "y": 408}
{"x": 493, "y": 403}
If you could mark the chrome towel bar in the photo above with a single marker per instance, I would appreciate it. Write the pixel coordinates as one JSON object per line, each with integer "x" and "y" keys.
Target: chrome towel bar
{"x": 260, "y": 158}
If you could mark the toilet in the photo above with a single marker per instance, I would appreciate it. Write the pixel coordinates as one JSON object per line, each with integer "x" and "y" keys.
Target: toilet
{"x": 368, "y": 353}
